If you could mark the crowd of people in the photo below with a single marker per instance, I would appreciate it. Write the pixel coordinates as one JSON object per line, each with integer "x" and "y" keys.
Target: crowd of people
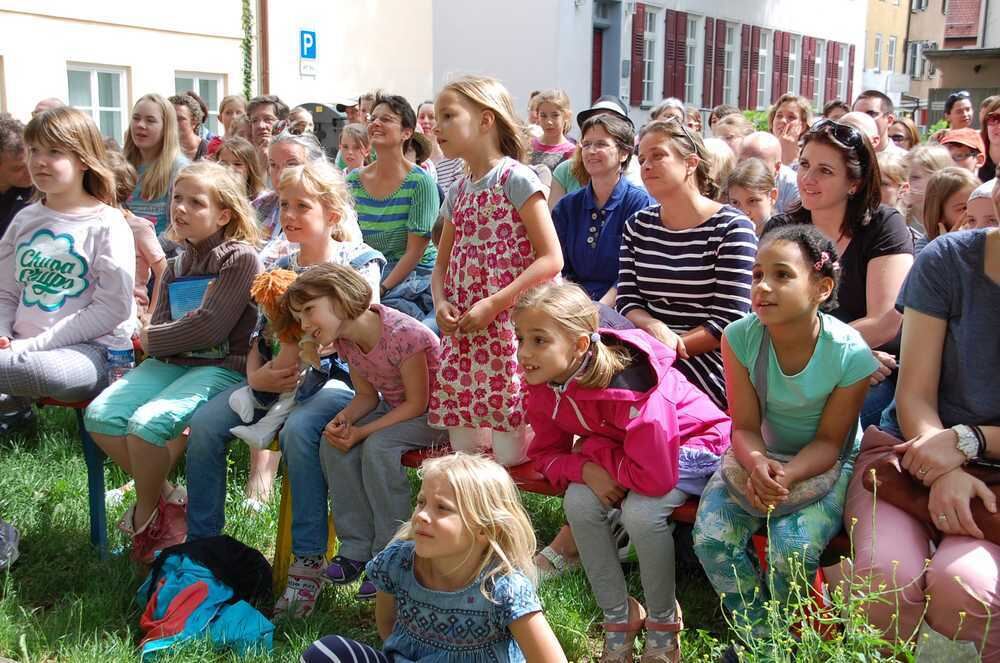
{"x": 644, "y": 315}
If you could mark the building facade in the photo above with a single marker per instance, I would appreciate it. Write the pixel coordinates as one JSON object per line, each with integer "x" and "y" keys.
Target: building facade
{"x": 709, "y": 52}
{"x": 926, "y": 33}
{"x": 885, "y": 48}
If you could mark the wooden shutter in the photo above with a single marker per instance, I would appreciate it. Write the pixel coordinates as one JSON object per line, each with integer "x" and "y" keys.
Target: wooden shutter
{"x": 786, "y": 45}
{"x": 776, "y": 66}
{"x": 808, "y": 66}
{"x": 850, "y": 75}
{"x": 675, "y": 55}
{"x": 638, "y": 51}
{"x": 720, "y": 62}
{"x": 744, "y": 94}
{"x": 754, "y": 67}
{"x": 831, "y": 71}
{"x": 709, "y": 69}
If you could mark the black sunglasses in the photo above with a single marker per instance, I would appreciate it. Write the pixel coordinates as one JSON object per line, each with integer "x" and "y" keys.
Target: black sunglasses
{"x": 955, "y": 96}
{"x": 844, "y": 134}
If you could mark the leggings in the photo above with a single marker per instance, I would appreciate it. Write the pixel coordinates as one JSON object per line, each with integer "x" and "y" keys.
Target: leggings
{"x": 71, "y": 373}
{"x": 338, "y": 649}
{"x": 646, "y": 519}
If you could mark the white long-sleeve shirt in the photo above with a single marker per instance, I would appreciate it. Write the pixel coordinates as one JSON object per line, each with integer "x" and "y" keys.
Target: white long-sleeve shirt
{"x": 67, "y": 279}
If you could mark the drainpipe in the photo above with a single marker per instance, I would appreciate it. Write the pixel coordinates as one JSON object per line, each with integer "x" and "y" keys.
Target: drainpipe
{"x": 984, "y": 11}
{"x": 263, "y": 48}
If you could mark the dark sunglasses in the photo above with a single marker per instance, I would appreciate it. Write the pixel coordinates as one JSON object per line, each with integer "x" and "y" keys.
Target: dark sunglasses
{"x": 993, "y": 119}
{"x": 955, "y": 96}
{"x": 844, "y": 134}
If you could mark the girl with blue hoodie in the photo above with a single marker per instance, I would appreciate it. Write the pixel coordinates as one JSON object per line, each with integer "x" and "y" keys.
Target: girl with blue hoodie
{"x": 648, "y": 439}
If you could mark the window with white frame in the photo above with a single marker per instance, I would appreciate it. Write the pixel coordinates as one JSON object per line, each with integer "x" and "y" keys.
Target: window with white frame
{"x": 794, "y": 43}
{"x": 692, "y": 60}
{"x": 820, "y": 74}
{"x": 649, "y": 58}
{"x": 891, "y": 55}
{"x": 99, "y": 91}
{"x": 763, "y": 70}
{"x": 209, "y": 87}
{"x": 731, "y": 66}
{"x": 877, "y": 53}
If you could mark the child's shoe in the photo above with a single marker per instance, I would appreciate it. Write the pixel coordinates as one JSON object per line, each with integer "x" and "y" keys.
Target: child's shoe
{"x": 670, "y": 653}
{"x": 243, "y": 404}
{"x": 302, "y": 589}
{"x": 343, "y": 571}
{"x": 261, "y": 434}
{"x": 623, "y": 653}
{"x": 367, "y": 590}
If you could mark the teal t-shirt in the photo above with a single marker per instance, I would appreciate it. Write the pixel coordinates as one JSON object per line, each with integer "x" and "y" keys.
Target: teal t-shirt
{"x": 795, "y": 402}
{"x": 563, "y": 174}
{"x": 386, "y": 222}
{"x": 156, "y": 210}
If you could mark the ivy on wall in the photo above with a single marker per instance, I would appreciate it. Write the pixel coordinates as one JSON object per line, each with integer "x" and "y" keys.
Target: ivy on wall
{"x": 246, "y": 45}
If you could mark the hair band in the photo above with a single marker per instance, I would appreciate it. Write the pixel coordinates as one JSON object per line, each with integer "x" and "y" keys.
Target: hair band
{"x": 595, "y": 337}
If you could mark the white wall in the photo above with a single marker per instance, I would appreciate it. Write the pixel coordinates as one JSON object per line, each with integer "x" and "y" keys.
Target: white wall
{"x": 38, "y": 38}
{"x": 360, "y": 45}
{"x": 527, "y": 44}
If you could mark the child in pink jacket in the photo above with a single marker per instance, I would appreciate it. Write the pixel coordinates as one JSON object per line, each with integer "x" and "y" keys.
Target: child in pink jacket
{"x": 648, "y": 440}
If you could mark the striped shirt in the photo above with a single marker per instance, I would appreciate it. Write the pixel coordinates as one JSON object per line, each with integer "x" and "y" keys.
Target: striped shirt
{"x": 449, "y": 171}
{"x": 386, "y": 222}
{"x": 688, "y": 278}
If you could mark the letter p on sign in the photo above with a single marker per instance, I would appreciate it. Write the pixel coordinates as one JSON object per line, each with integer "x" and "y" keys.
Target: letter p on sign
{"x": 307, "y": 44}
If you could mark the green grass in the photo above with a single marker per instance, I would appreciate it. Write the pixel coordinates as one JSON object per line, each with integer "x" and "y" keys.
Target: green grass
{"x": 60, "y": 603}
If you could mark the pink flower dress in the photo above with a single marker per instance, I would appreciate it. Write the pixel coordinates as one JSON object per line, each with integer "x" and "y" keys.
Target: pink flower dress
{"x": 478, "y": 380}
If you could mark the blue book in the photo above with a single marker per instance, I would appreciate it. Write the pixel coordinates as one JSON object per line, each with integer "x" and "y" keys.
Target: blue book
{"x": 187, "y": 294}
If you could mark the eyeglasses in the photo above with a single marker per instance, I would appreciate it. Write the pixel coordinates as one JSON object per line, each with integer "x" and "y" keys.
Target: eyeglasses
{"x": 384, "y": 119}
{"x": 962, "y": 156}
{"x": 993, "y": 119}
{"x": 897, "y": 138}
{"x": 598, "y": 146}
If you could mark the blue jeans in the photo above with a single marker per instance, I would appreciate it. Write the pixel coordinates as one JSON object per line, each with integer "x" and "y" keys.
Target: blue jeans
{"x": 300, "y": 439}
{"x": 878, "y": 399}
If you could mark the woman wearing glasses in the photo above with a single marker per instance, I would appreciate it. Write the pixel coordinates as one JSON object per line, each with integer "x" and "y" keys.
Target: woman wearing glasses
{"x": 990, "y": 114}
{"x": 685, "y": 264}
{"x": 839, "y": 186}
{"x": 589, "y": 221}
{"x": 397, "y": 203}
{"x": 903, "y": 133}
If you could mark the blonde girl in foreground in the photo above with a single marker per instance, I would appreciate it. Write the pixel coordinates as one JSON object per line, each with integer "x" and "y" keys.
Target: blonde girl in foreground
{"x": 456, "y": 585}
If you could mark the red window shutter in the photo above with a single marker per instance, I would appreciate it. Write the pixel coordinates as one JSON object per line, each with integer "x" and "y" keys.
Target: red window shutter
{"x": 776, "y": 66}
{"x": 680, "y": 56}
{"x": 831, "y": 71}
{"x": 744, "y": 95}
{"x": 786, "y": 41}
{"x": 754, "y": 67}
{"x": 850, "y": 74}
{"x": 720, "y": 62}
{"x": 808, "y": 64}
{"x": 709, "y": 69}
{"x": 638, "y": 50}
{"x": 670, "y": 35}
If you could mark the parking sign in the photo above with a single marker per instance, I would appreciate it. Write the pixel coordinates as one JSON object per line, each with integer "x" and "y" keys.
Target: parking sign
{"x": 307, "y": 44}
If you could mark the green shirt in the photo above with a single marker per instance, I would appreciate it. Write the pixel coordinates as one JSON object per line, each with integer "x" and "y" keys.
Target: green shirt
{"x": 386, "y": 222}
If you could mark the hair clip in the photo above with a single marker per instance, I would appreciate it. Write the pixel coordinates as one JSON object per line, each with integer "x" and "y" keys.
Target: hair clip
{"x": 824, "y": 258}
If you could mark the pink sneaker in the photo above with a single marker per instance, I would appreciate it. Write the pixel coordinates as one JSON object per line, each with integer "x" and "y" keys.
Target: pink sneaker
{"x": 167, "y": 526}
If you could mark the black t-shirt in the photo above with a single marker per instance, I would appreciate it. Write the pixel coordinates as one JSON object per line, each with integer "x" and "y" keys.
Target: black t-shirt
{"x": 12, "y": 201}
{"x": 885, "y": 234}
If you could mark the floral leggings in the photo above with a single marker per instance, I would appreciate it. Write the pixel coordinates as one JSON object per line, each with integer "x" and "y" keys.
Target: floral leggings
{"x": 722, "y": 533}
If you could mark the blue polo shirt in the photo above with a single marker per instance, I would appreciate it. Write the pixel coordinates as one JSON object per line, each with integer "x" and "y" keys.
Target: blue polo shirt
{"x": 591, "y": 237}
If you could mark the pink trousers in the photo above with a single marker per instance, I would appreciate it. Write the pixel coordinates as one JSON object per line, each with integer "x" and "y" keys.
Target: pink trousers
{"x": 957, "y": 584}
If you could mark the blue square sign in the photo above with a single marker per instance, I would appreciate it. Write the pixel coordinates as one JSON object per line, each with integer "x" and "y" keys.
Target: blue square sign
{"x": 307, "y": 44}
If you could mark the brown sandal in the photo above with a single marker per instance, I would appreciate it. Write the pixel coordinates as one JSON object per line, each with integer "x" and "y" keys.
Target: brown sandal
{"x": 670, "y": 653}
{"x": 631, "y": 629}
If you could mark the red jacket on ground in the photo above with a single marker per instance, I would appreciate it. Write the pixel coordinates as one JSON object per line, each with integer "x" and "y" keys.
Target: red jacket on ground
{"x": 633, "y": 428}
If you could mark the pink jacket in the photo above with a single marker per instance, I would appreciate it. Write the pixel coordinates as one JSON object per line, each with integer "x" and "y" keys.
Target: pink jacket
{"x": 634, "y": 428}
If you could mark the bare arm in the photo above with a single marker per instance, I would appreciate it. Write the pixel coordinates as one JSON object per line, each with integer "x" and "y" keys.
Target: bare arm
{"x": 535, "y": 638}
{"x": 885, "y": 278}
{"x": 415, "y": 246}
{"x": 416, "y": 385}
{"x": 385, "y": 614}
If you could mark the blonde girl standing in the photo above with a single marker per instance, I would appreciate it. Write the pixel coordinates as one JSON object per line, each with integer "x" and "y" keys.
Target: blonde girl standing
{"x": 498, "y": 240}
{"x": 191, "y": 354}
{"x": 555, "y": 117}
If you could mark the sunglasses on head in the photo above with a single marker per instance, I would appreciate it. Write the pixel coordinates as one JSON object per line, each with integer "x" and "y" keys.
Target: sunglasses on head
{"x": 844, "y": 134}
{"x": 955, "y": 96}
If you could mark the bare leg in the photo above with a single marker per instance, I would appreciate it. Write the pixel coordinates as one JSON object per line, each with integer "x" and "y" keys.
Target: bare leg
{"x": 263, "y": 470}
{"x": 150, "y": 466}
{"x": 116, "y": 449}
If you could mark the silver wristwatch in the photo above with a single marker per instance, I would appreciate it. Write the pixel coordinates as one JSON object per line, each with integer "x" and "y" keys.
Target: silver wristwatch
{"x": 967, "y": 441}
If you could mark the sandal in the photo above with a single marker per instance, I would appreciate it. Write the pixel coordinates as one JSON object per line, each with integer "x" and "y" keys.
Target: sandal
{"x": 560, "y": 564}
{"x": 671, "y": 653}
{"x": 631, "y": 629}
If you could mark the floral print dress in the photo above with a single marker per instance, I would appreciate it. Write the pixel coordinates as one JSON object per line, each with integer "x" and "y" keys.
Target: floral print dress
{"x": 479, "y": 382}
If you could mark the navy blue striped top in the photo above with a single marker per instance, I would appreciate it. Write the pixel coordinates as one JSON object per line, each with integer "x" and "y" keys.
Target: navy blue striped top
{"x": 691, "y": 277}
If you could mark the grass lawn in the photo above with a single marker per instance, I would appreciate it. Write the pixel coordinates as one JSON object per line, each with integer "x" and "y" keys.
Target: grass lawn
{"x": 60, "y": 603}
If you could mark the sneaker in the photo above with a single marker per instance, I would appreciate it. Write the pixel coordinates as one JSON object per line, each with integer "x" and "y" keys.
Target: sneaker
{"x": 301, "y": 592}
{"x": 367, "y": 590}
{"x": 16, "y": 420}
{"x": 343, "y": 571}
{"x": 166, "y": 527}
{"x": 9, "y": 539}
